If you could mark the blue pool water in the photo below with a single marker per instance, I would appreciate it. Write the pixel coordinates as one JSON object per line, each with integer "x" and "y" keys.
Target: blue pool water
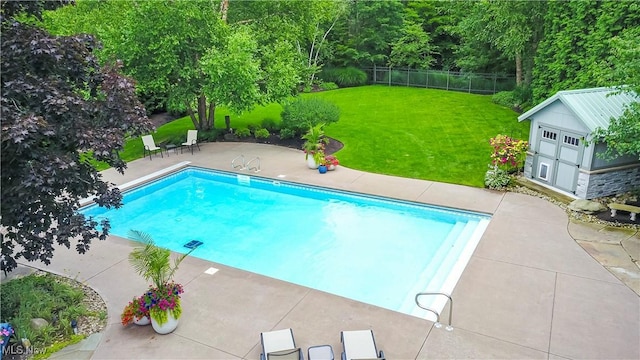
{"x": 369, "y": 249}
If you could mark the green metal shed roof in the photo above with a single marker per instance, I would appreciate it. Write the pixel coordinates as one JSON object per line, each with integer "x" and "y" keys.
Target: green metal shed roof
{"x": 594, "y": 107}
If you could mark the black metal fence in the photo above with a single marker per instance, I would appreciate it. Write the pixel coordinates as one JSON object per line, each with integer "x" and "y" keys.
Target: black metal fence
{"x": 439, "y": 79}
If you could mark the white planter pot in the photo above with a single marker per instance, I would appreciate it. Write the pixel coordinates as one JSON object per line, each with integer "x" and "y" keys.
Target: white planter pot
{"x": 142, "y": 321}
{"x": 167, "y": 327}
{"x": 311, "y": 163}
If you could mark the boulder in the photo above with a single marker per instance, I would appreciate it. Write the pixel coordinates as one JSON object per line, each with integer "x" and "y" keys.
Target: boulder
{"x": 586, "y": 206}
{"x": 38, "y": 324}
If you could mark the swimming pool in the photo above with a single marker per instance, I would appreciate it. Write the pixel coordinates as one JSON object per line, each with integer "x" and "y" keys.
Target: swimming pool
{"x": 371, "y": 249}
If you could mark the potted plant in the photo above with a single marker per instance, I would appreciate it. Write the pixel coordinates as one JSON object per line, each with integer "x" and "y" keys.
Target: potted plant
{"x": 314, "y": 141}
{"x": 319, "y": 158}
{"x": 162, "y": 300}
{"x": 135, "y": 312}
{"x": 331, "y": 161}
{"x": 163, "y": 304}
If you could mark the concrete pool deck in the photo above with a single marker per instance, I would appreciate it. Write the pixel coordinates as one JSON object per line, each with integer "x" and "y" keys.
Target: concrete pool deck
{"x": 529, "y": 291}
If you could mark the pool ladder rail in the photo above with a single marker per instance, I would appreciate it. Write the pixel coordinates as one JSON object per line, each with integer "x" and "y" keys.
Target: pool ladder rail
{"x": 449, "y": 300}
{"x": 251, "y": 165}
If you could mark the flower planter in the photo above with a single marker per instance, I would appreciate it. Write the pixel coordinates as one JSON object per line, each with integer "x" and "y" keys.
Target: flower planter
{"x": 311, "y": 163}
{"x": 331, "y": 167}
{"x": 167, "y": 327}
{"x": 322, "y": 169}
{"x": 142, "y": 321}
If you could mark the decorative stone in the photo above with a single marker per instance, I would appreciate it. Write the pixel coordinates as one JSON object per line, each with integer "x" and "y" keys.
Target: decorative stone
{"x": 38, "y": 324}
{"x": 586, "y": 206}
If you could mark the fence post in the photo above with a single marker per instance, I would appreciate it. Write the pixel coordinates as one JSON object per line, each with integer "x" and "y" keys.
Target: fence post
{"x": 408, "y": 77}
{"x": 389, "y": 67}
{"x": 495, "y": 80}
{"x": 427, "y": 85}
{"x": 374, "y": 73}
{"x": 469, "y": 84}
{"x": 448, "y": 79}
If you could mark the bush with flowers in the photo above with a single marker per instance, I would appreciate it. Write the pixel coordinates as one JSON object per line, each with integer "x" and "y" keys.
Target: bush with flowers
{"x": 331, "y": 161}
{"x": 508, "y": 153}
{"x": 508, "y": 156}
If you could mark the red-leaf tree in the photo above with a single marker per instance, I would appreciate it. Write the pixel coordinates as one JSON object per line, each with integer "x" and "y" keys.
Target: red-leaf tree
{"x": 60, "y": 109}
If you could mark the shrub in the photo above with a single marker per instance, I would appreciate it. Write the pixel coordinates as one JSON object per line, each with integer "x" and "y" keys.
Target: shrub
{"x": 209, "y": 135}
{"x": 496, "y": 179}
{"x": 304, "y": 113}
{"x": 328, "y": 86}
{"x": 508, "y": 153}
{"x": 269, "y": 124}
{"x": 243, "y": 132}
{"x": 505, "y": 98}
{"x": 520, "y": 97}
{"x": 261, "y": 133}
{"x": 253, "y": 127}
{"x": 344, "y": 77}
{"x": 287, "y": 133}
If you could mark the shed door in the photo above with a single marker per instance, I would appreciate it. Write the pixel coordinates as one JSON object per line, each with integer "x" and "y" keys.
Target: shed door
{"x": 558, "y": 158}
{"x": 568, "y": 161}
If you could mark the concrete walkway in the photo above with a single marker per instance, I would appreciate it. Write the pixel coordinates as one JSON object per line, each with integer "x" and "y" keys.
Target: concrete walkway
{"x": 529, "y": 291}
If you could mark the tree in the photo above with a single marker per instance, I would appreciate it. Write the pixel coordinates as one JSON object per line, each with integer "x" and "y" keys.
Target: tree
{"x": 413, "y": 49}
{"x": 511, "y": 27}
{"x": 60, "y": 110}
{"x": 623, "y": 134}
{"x": 436, "y": 20}
{"x": 576, "y": 46}
{"x": 184, "y": 49}
{"x": 325, "y": 16}
{"x": 365, "y": 35}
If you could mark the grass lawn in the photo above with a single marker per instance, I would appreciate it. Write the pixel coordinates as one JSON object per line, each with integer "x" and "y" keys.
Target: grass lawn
{"x": 418, "y": 133}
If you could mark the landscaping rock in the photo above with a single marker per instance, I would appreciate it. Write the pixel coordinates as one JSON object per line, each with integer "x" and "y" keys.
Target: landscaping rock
{"x": 38, "y": 324}
{"x": 586, "y": 206}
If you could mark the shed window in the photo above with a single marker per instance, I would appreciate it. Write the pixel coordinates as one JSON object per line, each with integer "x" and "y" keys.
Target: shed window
{"x": 549, "y": 135}
{"x": 571, "y": 140}
{"x": 543, "y": 171}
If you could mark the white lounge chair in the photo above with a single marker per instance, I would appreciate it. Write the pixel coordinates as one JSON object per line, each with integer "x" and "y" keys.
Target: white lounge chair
{"x": 359, "y": 344}
{"x": 192, "y": 140}
{"x": 150, "y": 146}
{"x": 279, "y": 345}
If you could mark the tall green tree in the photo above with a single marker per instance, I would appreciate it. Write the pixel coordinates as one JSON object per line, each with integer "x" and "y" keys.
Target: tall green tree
{"x": 511, "y": 27}
{"x": 576, "y": 45}
{"x": 436, "y": 19}
{"x": 186, "y": 54}
{"x": 60, "y": 109}
{"x": 365, "y": 35}
{"x": 307, "y": 24}
{"x": 413, "y": 49}
{"x": 623, "y": 134}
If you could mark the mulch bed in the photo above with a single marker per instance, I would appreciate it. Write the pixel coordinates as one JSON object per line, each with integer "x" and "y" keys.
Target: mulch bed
{"x": 332, "y": 147}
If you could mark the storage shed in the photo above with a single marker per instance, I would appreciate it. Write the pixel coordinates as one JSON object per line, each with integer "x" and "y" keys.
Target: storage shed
{"x": 560, "y": 158}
